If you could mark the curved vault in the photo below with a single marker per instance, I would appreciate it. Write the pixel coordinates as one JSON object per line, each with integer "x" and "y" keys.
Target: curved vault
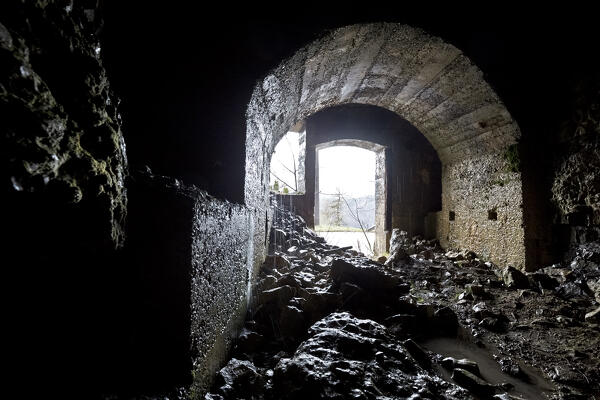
{"x": 428, "y": 82}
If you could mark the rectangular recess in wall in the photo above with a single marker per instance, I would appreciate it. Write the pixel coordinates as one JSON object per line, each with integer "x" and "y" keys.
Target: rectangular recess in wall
{"x": 492, "y": 215}
{"x": 451, "y": 216}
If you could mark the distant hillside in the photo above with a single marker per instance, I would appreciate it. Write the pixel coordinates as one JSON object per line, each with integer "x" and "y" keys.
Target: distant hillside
{"x": 365, "y": 206}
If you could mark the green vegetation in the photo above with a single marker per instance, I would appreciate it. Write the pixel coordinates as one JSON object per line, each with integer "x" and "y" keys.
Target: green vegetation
{"x": 511, "y": 156}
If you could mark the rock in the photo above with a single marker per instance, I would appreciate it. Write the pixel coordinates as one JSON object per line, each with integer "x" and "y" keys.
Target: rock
{"x": 570, "y": 290}
{"x": 345, "y": 357}
{"x": 277, "y": 261}
{"x": 267, "y": 282}
{"x": 472, "y": 382}
{"x": 477, "y": 291}
{"x": 514, "y": 279}
{"x": 238, "y": 378}
{"x": 566, "y": 375}
{"x": 279, "y": 295}
{"x": 248, "y": 341}
{"x": 278, "y": 237}
{"x": 480, "y": 310}
{"x": 510, "y": 367}
{"x": 454, "y": 256}
{"x": 417, "y": 353}
{"x": 541, "y": 280}
{"x": 466, "y": 364}
{"x": 319, "y": 304}
{"x": 399, "y": 243}
{"x": 506, "y": 396}
{"x": 594, "y": 285}
{"x": 369, "y": 276}
{"x": 593, "y": 316}
{"x": 291, "y": 322}
{"x": 401, "y": 324}
{"x": 444, "y": 322}
{"x": 493, "y": 324}
{"x": 426, "y": 254}
{"x": 381, "y": 259}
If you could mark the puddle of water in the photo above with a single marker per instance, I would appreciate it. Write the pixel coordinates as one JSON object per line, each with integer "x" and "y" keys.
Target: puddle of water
{"x": 489, "y": 368}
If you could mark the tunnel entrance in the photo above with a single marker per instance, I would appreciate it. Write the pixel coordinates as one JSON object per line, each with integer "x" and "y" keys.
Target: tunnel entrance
{"x": 346, "y": 196}
{"x": 438, "y": 91}
{"x": 405, "y": 173}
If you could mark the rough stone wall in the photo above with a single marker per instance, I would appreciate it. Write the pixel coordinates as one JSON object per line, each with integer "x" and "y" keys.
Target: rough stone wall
{"x": 64, "y": 204}
{"x": 405, "y": 70}
{"x": 576, "y": 185}
{"x": 193, "y": 257}
{"x": 472, "y": 189}
{"x": 576, "y": 175}
{"x": 222, "y": 274}
{"x": 61, "y": 136}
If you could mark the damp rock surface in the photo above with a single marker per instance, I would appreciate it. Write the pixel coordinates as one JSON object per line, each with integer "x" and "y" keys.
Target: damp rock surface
{"x": 327, "y": 322}
{"x": 62, "y": 122}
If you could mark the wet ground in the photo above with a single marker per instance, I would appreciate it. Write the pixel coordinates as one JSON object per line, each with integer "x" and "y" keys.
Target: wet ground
{"x": 330, "y": 323}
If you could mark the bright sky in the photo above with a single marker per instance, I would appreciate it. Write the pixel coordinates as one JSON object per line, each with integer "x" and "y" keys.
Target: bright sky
{"x": 284, "y": 156}
{"x": 349, "y": 168}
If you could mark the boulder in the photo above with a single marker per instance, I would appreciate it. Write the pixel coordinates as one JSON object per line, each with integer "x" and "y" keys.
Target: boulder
{"x": 368, "y": 276}
{"x": 238, "y": 378}
{"x": 541, "y": 280}
{"x": 277, "y": 261}
{"x": 464, "y": 363}
{"x": 249, "y": 341}
{"x": 279, "y": 295}
{"x": 345, "y": 357}
{"x": 292, "y": 322}
{"x": 514, "y": 279}
{"x": 472, "y": 382}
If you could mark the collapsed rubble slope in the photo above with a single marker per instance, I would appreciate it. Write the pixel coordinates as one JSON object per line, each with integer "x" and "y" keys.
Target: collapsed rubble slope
{"x": 328, "y": 322}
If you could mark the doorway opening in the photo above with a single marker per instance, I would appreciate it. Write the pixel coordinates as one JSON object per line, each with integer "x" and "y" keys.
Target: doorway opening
{"x": 349, "y": 200}
{"x": 286, "y": 175}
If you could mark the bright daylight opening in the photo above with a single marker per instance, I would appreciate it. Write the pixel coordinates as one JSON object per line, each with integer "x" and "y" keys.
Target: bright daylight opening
{"x": 286, "y": 175}
{"x": 347, "y": 197}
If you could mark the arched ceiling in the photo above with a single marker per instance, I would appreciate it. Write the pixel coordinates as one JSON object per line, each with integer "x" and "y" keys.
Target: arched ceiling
{"x": 426, "y": 81}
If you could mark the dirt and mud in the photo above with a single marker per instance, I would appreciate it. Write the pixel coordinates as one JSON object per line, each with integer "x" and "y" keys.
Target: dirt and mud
{"x": 327, "y": 322}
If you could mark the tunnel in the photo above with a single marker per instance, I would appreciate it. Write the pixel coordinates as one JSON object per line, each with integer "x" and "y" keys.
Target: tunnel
{"x": 148, "y": 254}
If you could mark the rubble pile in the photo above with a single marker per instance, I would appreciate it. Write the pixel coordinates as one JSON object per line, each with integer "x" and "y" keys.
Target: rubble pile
{"x": 327, "y": 322}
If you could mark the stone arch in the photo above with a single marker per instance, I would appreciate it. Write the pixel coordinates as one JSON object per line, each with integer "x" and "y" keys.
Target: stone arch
{"x": 432, "y": 85}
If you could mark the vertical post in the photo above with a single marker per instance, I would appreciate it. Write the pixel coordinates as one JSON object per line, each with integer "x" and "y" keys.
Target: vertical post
{"x": 317, "y": 203}
{"x": 381, "y": 202}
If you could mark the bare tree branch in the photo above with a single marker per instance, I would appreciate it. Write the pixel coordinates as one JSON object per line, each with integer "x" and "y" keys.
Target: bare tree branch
{"x": 282, "y": 181}
{"x": 356, "y": 217}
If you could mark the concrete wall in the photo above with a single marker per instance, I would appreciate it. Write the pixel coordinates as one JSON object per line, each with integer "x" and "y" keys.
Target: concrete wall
{"x": 195, "y": 261}
{"x": 409, "y": 72}
{"x": 473, "y": 189}
{"x": 222, "y": 275}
